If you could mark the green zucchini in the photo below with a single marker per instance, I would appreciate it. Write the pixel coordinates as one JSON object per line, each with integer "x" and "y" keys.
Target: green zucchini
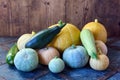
{"x": 11, "y": 54}
{"x": 44, "y": 37}
{"x": 88, "y": 42}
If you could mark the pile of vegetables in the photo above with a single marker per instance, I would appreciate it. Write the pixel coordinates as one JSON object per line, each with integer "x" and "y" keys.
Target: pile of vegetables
{"x": 61, "y": 45}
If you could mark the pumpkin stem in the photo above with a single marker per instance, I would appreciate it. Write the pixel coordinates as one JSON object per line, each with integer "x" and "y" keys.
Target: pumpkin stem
{"x": 73, "y": 46}
{"x": 33, "y": 33}
{"x": 46, "y": 48}
{"x": 96, "y": 20}
{"x": 56, "y": 57}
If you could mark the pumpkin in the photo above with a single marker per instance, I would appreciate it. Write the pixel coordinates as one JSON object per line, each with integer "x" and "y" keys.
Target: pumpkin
{"x": 98, "y": 30}
{"x": 75, "y": 56}
{"x": 26, "y": 60}
{"x": 99, "y": 64}
{"x": 46, "y": 54}
{"x": 56, "y": 65}
{"x": 68, "y": 35}
{"x": 24, "y": 39}
{"x": 100, "y": 46}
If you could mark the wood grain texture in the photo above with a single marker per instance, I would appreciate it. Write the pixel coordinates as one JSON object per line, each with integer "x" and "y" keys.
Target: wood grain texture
{"x": 18, "y": 17}
{"x": 44, "y": 13}
{"x": 84, "y": 11}
{"x": 4, "y": 18}
{"x": 23, "y": 16}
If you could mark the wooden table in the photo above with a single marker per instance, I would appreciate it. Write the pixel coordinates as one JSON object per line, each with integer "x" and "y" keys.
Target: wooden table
{"x": 42, "y": 72}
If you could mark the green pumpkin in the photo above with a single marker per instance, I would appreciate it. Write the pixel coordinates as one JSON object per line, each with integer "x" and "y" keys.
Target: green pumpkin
{"x": 26, "y": 60}
{"x": 56, "y": 65}
{"x": 75, "y": 56}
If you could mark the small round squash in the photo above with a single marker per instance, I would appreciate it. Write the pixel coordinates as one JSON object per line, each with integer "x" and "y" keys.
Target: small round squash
{"x": 98, "y": 30}
{"x": 46, "y": 54}
{"x": 26, "y": 60}
{"x": 75, "y": 56}
{"x": 101, "y": 46}
{"x": 99, "y": 64}
{"x": 24, "y": 39}
{"x": 56, "y": 65}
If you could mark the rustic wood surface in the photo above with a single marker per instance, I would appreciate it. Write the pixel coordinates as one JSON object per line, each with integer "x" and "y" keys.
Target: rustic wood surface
{"x": 23, "y": 16}
{"x": 42, "y": 72}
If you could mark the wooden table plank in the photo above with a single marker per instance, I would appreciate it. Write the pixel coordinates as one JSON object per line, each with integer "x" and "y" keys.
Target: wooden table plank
{"x": 115, "y": 77}
{"x": 43, "y": 73}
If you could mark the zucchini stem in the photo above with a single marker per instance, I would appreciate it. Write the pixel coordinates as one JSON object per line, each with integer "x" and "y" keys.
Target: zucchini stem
{"x": 94, "y": 56}
{"x": 61, "y": 24}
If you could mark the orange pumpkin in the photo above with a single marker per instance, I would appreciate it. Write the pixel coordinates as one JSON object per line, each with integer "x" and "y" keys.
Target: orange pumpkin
{"x": 46, "y": 54}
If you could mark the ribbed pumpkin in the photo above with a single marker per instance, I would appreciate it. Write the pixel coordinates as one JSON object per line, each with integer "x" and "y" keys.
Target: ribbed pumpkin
{"x": 26, "y": 60}
{"x": 75, "y": 56}
{"x": 69, "y": 35}
{"x": 98, "y": 30}
{"x": 46, "y": 54}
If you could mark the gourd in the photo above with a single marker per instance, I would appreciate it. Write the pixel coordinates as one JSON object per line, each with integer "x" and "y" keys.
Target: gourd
{"x": 56, "y": 65}
{"x": 99, "y": 64}
{"x": 98, "y": 30}
{"x": 44, "y": 37}
{"x": 46, "y": 54}
{"x": 101, "y": 47}
{"x": 68, "y": 35}
{"x": 26, "y": 60}
{"x": 11, "y": 54}
{"x": 88, "y": 42}
{"x": 75, "y": 56}
{"x": 24, "y": 39}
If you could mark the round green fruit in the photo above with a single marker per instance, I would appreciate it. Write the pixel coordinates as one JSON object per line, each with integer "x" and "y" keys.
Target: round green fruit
{"x": 26, "y": 60}
{"x": 75, "y": 56}
{"x": 56, "y": 65}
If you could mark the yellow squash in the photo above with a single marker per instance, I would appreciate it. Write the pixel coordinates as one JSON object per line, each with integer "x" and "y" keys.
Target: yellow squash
{"x": 69, "y": 35}
{"x": 24, "y": 39}
{"x": 98, "y": 30}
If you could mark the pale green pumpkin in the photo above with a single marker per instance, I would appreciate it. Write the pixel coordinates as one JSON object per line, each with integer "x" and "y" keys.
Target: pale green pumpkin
{"x": 26, "y": 60}
{"x": 75, "y": 56}
{"x": 56, "y": 65}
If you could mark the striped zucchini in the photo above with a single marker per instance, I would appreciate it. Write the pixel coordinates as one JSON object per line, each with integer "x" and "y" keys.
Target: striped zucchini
{"x": 88, "y": 42}
{"x": 44, "y": 37}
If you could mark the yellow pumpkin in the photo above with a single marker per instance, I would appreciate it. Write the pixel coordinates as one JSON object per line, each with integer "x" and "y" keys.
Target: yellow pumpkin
{"x": 47, "y": 54}
{"x": 98, "y": 30}
{"x": 68, "y": 35}
{"x": 23, "y": 40}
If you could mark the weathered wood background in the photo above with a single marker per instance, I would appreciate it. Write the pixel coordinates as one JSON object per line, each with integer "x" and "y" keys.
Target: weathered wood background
{"x": 21, "y": 16}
